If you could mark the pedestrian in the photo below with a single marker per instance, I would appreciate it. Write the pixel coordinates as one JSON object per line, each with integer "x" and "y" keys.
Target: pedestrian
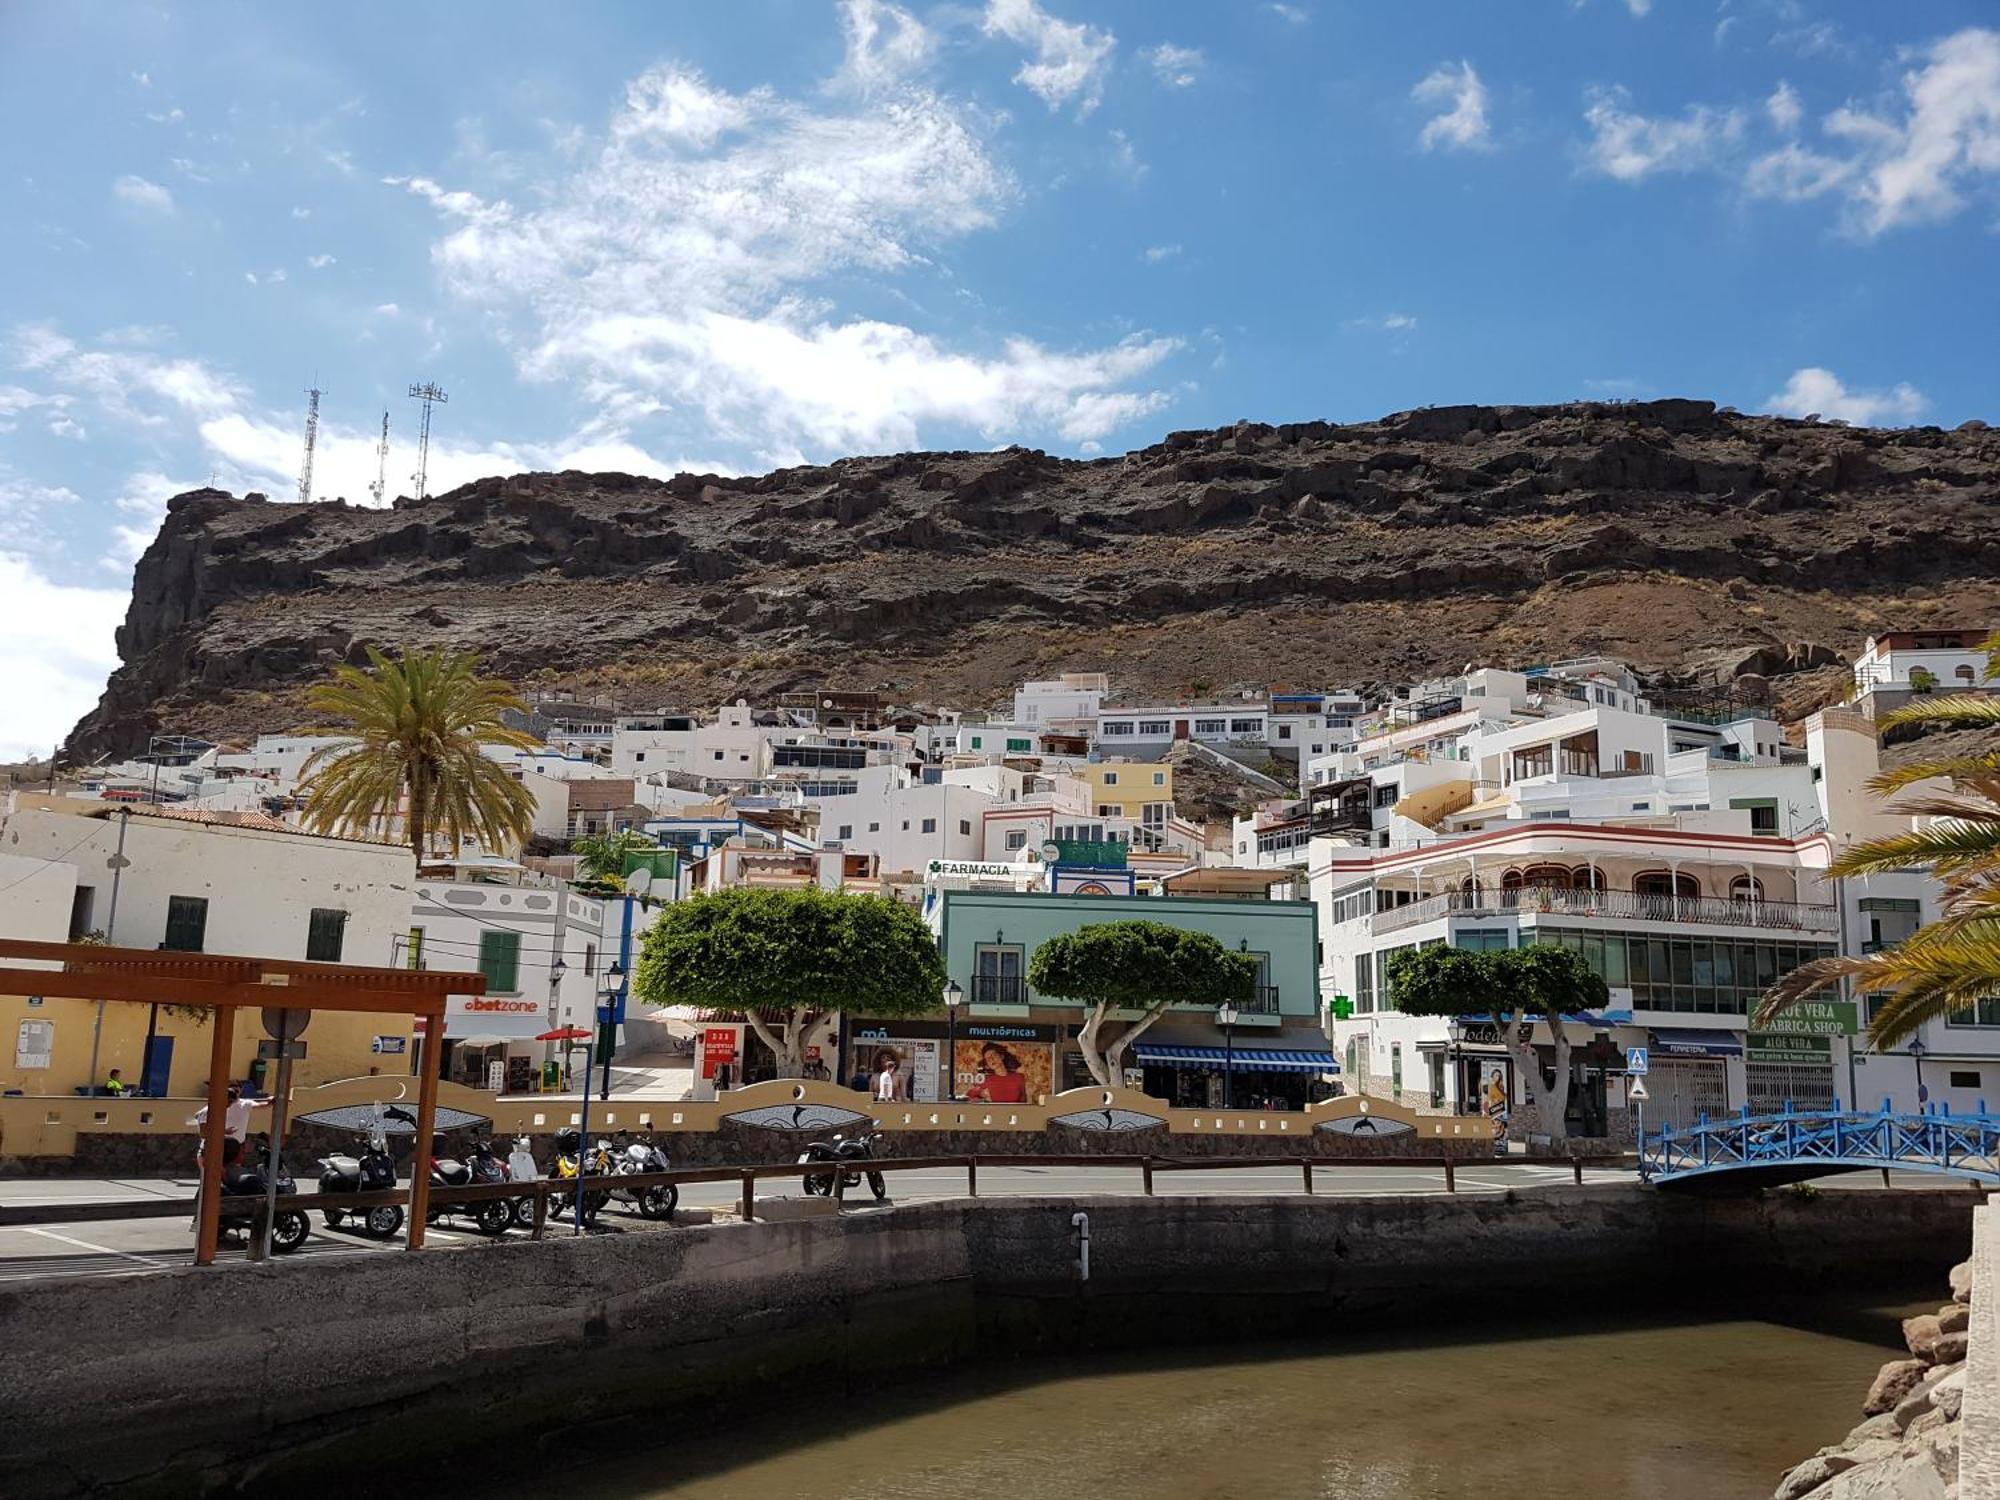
{"x": 888, "y": 1082}
{"x": 115, "y": 1085}
{"x": 235, "y": 1125}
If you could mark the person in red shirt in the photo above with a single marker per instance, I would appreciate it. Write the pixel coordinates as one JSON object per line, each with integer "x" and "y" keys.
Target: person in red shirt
{"x": 1002, "y": 1083}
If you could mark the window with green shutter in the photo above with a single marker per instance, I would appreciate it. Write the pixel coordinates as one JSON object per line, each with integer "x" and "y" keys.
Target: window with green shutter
{"x": 187, "y": 923}
{"x": 326, "y": 930}
{"x": 500, "y": 962}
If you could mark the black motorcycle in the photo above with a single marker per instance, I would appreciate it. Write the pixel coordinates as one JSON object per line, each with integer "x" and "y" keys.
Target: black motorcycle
{"x": 843, "y": 1148}
{"x": 482, "y": 1165}
{"x": 373, "y": 1171}
{"x": 243, "y": 1188}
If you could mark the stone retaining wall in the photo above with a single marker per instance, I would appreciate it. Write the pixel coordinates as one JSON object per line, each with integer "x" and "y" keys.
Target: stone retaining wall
{"x": 402, "y": 1368}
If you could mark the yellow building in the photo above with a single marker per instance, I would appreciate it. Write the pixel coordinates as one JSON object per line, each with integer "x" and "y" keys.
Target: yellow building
{"x": 1125, "y": 788}
{"x": 197, "y": 882}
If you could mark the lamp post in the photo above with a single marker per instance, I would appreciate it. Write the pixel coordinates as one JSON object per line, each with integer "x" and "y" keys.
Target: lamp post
{"x": 1225, "y": 1017}
{"x": 1455, "y": 1028}
{"x": 556, "y": 971}
{"x": 614, "y": 978}
{"x": 1917, "y": 1056}
{"x": 607, "y": 1030}
{"x": 954, "y": 996}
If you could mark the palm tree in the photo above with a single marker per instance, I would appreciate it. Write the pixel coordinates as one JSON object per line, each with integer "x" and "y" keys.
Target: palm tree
{"x": 1951, "y": 965}
{"x": 418, "y": 722}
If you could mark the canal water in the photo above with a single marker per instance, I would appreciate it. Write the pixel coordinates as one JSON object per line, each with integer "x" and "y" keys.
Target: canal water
{"x": 1695, "y": 1410}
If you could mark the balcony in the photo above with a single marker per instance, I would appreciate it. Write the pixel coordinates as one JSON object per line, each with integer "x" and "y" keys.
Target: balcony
{"x": 999, "y": 989}
{"x": 1626, "y": 906}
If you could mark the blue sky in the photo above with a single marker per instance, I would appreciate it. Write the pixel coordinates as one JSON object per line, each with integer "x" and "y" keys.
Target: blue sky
{"x": 652, "y": 237}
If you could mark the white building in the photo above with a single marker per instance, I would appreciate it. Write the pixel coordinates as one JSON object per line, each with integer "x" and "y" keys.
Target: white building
{"x": 1142, "y": 732}
{"x": 1951, "y": 659}
{"x": 1068, "y": 703}
{"x": 906, "y": 819}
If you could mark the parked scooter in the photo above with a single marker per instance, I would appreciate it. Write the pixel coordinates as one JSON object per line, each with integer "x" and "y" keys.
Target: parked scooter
{"x": 522, "y": 1167}
{"x": 243, "y": 1189}
{"x": 843, "y": 1148}
{"x": 569, "y": 1163}
{"x": 640, "y": 1154}
{"x": 488, "y": 1215}
{"x": 373, "y": 1171}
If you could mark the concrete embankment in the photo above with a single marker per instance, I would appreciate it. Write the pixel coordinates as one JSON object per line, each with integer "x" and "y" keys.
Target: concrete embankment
{"x": 292, "y": 1378}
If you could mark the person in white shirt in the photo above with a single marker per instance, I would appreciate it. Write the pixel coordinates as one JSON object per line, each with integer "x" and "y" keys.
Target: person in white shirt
{"x": 888, "y": 1082}
{"x": 235, "y": 1116}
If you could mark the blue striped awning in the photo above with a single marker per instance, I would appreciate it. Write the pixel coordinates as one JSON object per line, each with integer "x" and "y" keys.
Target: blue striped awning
{"x": 1247, "y": 1059}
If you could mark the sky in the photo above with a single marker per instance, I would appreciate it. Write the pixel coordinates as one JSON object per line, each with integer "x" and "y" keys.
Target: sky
{"x": 725, "y": 238}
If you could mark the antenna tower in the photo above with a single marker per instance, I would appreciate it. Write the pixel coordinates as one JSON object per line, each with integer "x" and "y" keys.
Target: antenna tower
{"x": 381, "y": 484}
{"x": 312, "y": 436}
{"x": 428, "y": 393}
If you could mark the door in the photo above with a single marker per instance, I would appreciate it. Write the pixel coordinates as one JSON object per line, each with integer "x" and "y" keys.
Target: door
{"x": 159, "y": 1068}
{"x": 1683, "y": 1090}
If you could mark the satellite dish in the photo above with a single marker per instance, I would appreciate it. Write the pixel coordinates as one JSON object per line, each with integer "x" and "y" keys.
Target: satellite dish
{"x": 639, "y": 882}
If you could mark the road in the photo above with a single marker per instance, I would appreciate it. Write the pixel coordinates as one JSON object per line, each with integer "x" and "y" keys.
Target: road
{"x": 141, "y": 1246}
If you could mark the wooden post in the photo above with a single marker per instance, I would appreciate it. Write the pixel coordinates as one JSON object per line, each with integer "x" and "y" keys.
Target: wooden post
{"x": 749, "y": 1197}
{"x": 972, "y": 1177}
{"x": 1450, "y": 1176}
{"x": 1307, "y": 1163}
{"x": 541, "y": 1209}
{"x": 839, "y": 1193}
{"x": 427, "y": 1110}
{"x": 1146, "y": 1173}
{"x": 223, "y": 1019}
{"x": 1576, "y": 1167}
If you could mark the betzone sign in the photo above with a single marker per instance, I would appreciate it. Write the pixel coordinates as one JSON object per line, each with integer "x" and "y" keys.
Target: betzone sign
{"x": 511, "y": 1016}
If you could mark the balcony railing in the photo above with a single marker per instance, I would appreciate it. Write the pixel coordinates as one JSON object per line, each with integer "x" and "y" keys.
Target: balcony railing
{"x": 999, "y": 989}
{"x": 1630, "y": 906}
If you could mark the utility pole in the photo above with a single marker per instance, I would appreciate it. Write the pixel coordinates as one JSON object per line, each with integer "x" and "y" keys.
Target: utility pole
{"x": 312, "y": 436}
{"x": 381, "y": 485}
{"x": 429, "y": 393}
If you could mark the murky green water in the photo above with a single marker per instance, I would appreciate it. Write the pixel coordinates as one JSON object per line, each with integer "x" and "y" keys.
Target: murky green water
{"x": 1687, "y": 1411}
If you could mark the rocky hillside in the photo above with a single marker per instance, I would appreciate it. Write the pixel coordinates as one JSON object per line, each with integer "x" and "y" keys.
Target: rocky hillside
{"x": 1300, "y": 554}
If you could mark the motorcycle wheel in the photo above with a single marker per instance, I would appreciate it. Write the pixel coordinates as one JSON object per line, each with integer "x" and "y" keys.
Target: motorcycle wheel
{"x": 288, "y": 1232}
{"x": 333, "y": 1217}
{"x": 818, "y": 1184}
{"x": 493, "y": 1216}
{"x": 878, "y": 1185}
{"x": 659, "y": 1202}
{"x": 523, "y": 1211}
{"x": 382, "y": 1223}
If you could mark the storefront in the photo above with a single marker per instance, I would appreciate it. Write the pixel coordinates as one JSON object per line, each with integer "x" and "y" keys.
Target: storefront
{"x": 489, "y": 1043}
{"x": 994, "y": 1062}
{"x": 1244, "y": 1077}
{"x": 1690, "y": 1075}
{"x": 1781, "y": 1068}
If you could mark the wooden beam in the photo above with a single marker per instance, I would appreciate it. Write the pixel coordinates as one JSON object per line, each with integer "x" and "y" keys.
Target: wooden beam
{"x": 420, "y": 1161}
{"x": 132, "y": 986}
{"x": 213, "y": 1131}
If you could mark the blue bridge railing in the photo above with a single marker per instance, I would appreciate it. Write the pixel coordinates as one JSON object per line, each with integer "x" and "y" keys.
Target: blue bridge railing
{"x": 1836, "y": 1139}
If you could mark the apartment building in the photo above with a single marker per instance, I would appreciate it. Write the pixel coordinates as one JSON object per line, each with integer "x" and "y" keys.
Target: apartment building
{"x": 1067, "y": 703}
{"x": 1144, "y": 731}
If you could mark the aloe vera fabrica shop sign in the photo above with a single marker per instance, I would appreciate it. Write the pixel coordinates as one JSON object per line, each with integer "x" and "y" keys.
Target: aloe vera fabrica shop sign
{"x": 1816, "y": 1018}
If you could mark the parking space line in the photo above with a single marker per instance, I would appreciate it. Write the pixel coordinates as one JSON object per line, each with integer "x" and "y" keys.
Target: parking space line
{"x": 50, "y": 1234}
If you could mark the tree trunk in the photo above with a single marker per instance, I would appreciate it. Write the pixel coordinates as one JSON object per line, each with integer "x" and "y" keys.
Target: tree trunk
{"x": 1086, "y": 1043}
{"x": 1549, "y": 1103}
{"x": 1106, "y": 1060}
{"x": 1114, "y": 1055}
{"x": 788, "y": 1045}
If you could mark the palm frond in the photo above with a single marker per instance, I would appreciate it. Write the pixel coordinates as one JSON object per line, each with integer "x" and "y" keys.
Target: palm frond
{"x": 1965, "y": 711}
{"x": 1965, "y": 770}
{"x": 1940, "y": 847}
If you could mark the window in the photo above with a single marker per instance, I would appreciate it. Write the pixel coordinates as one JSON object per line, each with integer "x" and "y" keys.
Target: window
{"x": 874, "y": 827}
{"x": 1211, "y": 726}
{"x": 326, "y": 930}
{"x": 906, "y": 825}
{"x": 416, "y": 949}
{"x": 846, "y": 831}
{"x": 640, "y": 756}
{"x": 1364, "y": 983}
{"x": 930, "y": 825}
{"x": 1246, "y": 726}
{"x": 1964, "y": 1078}
{"x": 1020, "y": 745}
{"x": 1111, "y": 778}
{"x": 1481, "y": 940}
{"x": 1385, "y": 796}
{"x": 1156, "y": 728}
{"x": 965, "y": 826}
{"x": 1017, "y": 839}
{"x": 187, "y": 923}
{"x": 1763, "y": 813}
{"x": 500, "y": 961}
{"x": 1159, "y": 778}
{"x": 998, "y": 975}
{"x": 1109, "y": 726}
{"x": 718, "y": 755}
{"x": 81, "y": 908}
{"x": 1284, "y": 731}
{"x": 589, "y": 960}
{"x": 1108, "y": 810}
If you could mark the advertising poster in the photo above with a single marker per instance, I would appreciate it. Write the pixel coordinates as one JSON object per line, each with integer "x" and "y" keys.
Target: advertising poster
{"x": 1493, "y": 1089}
{"x": 718, "y": 1049}
{"x": 995, "y": 1072}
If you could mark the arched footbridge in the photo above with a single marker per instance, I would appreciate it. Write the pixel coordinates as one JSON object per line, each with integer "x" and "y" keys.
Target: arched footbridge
{"x": 1744, "y": 1152}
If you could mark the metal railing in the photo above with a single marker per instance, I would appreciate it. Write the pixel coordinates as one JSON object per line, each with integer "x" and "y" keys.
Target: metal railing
{"x": 999, "y": 989}
{"x": 1631, "y": 906}
{"x": 1836, "y": 1139}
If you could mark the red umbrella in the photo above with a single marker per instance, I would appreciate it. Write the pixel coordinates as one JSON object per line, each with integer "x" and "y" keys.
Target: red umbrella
{"x": 566, "y": 1034}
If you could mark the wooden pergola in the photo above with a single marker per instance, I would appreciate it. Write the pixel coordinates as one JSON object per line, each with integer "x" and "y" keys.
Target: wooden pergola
{"x": 224, "y": 983}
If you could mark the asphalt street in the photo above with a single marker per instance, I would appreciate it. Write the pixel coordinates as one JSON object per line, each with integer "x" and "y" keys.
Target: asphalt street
{"x": 132, "y": 1247}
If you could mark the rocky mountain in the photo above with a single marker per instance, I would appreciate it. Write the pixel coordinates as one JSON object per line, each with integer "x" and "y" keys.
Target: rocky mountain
{"x": 1307, "y": 553}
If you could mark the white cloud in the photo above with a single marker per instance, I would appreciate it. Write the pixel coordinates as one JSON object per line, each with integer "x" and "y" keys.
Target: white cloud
{"x": 302, "y": 213}
{"x": 1631, "y": 146}
{"x": 886, "y": 45}
{"x": 144, "y": 499}
{"x": 684, "y": 263}
{"x": 167, "y": 117}
{"x": 1157, "y": 253}
{"x": 61, "y": 646}
{"x": 1639, "y": 7}
{"x": 1067, "y": 59}
{"x": 1815, "y": 39}
{"x": 1297, "y": 15}
{"x": 1399, "y": 322}
{"x": 1784, "y": 108}
{"x": 1463, "y": 125}
{"x": 319, "y": 262}
{"x": 116, "y": 376}
{"x": 1176, "y": 67}
{"x": 142, "y": 194}
{"x": 1125, "y": 159}
{"x": 1817, "y": 391}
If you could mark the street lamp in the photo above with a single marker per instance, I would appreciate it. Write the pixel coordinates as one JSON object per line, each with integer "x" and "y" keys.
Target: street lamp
{"x": 1455, "y": 1028}
{"x": 1917, "y": 1050}
{"x": 556, "y": 971}
{"x": 1226, "y": 1018}
{"x": 954, "y": 997}
{"x": 614, "y": 1005}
